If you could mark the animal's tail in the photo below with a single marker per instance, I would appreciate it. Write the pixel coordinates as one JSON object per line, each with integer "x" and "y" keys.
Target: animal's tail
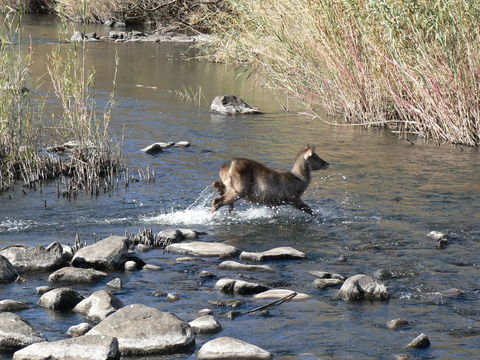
{"x": 219, "y": 186}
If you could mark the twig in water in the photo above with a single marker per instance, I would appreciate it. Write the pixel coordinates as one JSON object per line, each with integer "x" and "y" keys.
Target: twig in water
{"x": 276, "y": 302}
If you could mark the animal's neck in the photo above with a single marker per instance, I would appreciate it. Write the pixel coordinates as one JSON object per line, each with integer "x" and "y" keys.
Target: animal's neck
{"x": 301, "y": 169}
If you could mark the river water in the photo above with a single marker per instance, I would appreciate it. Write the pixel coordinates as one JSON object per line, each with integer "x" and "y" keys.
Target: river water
{"x": 375, "y": 204}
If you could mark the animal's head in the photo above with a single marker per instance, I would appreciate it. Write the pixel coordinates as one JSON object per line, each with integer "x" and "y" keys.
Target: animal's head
{"x": 313, "y": 160}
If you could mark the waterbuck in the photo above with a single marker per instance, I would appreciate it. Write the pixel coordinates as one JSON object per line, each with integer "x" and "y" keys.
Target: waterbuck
{"x": 254, "y": 182}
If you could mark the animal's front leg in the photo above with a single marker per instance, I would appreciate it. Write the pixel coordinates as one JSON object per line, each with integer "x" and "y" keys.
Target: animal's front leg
{"x": 227, "y": 199}
{"x": 300, "y": 205}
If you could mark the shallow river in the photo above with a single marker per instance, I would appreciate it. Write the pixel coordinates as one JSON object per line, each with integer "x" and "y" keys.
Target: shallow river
{"x": 375, "y": 204}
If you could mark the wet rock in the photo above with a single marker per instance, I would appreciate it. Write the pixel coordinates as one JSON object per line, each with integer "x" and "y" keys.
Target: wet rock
{"x": 204, "y": 312}
{"x": 205, "y": 325}
{"x": 159, "y": 293}
{"x": 236, "y": 266}
{"x": 362, "y": 287}
{"x": 442, "y": 243}
{"x": 280, "y": 293}
{"x": 182, "y": 144}
{"x": 239, "y": 287}
{"x": 16, "y": 332}
{"x": 151, "y": 267}
{"x": 342, "y": 258}
{"x": 79, "y": 330}
{"x": 231, "y": 105}
{"x": 109, "y": 253}
{"x": 207, "y": 249}
{"x": 233, "y": 314}
{"x": 190, "y": 234}
{"x": 448, "y": 293}
{"x": 230, "y": 348}
{"x": 130, "y": 265}
{"x": 326, "y": 275}
{"x": 43, "y": 289}
{"x": 273, "y": 254}
{"x": 144, "y": 330}
{"x": 12, "y": 305}
{"x": 91, "y": 35}
{"x": 153, "y": 149}
{"x": 99, "y": 305}
{"x": 169, "y": 236}
{"x": 78, "y": 348}
{"x": 77, "y": 36}
{"x": 437, "y": 235}
{"x": 115, "y": 284}
{"x": 37, "y": 258}
{"x": 172, "y": 297}
{"x": 326, "y": 283}
{"x": 118, "y": 35}
{"x": 207, "y": 274}
{"x": 382, "y": 274}
{"x": 402, "y": 357}
{"x": 76, "y": 275}
{"x": 420, "y": 342}
{"x": 60, "y": 299}
{"x": 67, "y": 252}
{"x": 397, "y": 323}
{"x": 8, "y": 273}
{"x": 227, "y": 303}
{"x": 185, "y": 259}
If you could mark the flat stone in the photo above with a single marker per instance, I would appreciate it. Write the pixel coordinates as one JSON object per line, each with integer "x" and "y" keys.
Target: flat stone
{"x": 325, "y": 275}
{"x": 236, "y": 266}
{"x": 362, "y": 287}
{"x": 76, "y": 275}
{"x": 99, "y": 305}
{"x": 79, "y": 330}
{"x": 109, "y": 253}
{"x": 239, "y": 287}
{"x": 285, "y": 252}
{"x": 230, "y": 348}
{"x": 151, "y": 267}
{"x": 12, "y": 305}
{"x": 78, "y": 348}
{"x": 16, "y": 332}
{"x": 326, "y": 283}
{"x": 231, "y": 105}
{"x": 420, "y": 342}
{"x": 207, "y": 249}
{"x": 280, "y": 293}
{"x": 182, "y": 144}
{"x": 8, "y": 273}
{"x": 144, "y": 330}
{"x": 183, "y": 259}
{"x": 227, "y": 303}
{"x": 115, "y": 284}
{"x": 60, "y": 299}
{"x": 205, "y": 325}
{"x": 397, "y": 323}
{"x": 38, "y": 258}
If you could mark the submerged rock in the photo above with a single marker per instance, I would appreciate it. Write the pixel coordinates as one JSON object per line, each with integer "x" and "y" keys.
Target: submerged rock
{"x": 437, "y": 235}
{"x": 153, "y": 149}
{"x": 326, "y": 283}
{"x": 144, "y": 330}
{"x": 172, "y": 297}
{"x": 16, "y": 332}
{"x": 76, "y": 275}
{"x": 60, "y": 299}
{"x": 362, "y": 287}
{"x": 12, "y": 305}
{"x": 115, "y": 284}
{"x": 236, "y": 266}
{"x": 231, "y": 348}
{"x": 280, "y": 293}
{"x": 285, "y": 252}
{"x": 151, "y": 267}
{"x": 37, "y": 258}
{"x": 420, "y": 342}
{"x": 231, "y": 105}
{"x": 78, "y": 348}
{"x": 205, "y": 325}
{"x": 79, "y": 330}
{"x": 109, "y": 253}
{"x": 239, "y": 287}
{"x": 8, "y": 273}
{"x": 206, "y": 249}
{"x": 325, "y": 275}
{"x": 227, "y": 303}
{"x": 397, "y": 323}
{"x": 99, "y": 305}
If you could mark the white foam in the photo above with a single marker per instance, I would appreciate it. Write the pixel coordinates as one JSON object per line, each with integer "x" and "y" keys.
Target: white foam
{"x": 8, "y": 225}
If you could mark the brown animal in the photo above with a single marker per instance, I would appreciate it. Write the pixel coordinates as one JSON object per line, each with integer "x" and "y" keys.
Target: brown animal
{"x": 254, "y": 182}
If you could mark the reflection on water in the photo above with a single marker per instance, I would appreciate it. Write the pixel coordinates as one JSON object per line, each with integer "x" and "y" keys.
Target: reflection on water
{"x": 375, "y": 204}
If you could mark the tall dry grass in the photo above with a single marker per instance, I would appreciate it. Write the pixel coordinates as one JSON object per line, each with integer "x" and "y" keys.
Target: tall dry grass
{"x": 413, "y": 65}
{"x": 27, "y": 6}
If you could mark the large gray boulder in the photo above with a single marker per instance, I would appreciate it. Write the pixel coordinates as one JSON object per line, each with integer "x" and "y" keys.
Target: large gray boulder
{"x": 284, "y": 252}
{"x": 78, "y": 348}
{"x": 224, "y": 348}
{"x": 8, "y": 273}
{"x": 206, "y": 249}
{"x": 236, "y": 266}
{"x": 239, "y": 287}
{"x": 231, "y": 105}
{"x": 144, "y": 330}
{"x": 99, "y": 305}
{"x": 362, "y": 287}
{"x": 76, "y": 275}
{"x": 109, "y": 253}
{"x": 37, "y": 258}
{"x": 16, "y": 332}
{"x": 60, "y": 299}
{"x": 12, "y": 305}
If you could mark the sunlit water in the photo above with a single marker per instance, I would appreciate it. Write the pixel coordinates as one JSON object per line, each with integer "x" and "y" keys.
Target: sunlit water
{"x": 374, "y": 204}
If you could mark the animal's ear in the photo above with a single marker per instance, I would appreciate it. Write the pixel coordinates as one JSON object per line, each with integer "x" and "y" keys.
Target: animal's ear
{"x": 308, "y": 152}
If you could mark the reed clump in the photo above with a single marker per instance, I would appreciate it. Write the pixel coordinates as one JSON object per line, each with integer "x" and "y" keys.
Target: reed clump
{"x": 412, "y": 66}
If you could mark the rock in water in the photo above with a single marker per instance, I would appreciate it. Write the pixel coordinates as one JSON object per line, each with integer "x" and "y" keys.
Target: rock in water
{"x": 8, "y": 273}
{"x": 26, "y": 259}
{"x": 115, "y": 284}
{"x": 153, "y": 149}
{"x": 78, "y": 348}
{"x": 109, "y": 253}
{"x": 60, "y": 299}
{"x": 76, "y": 275}
{"x": 77, "y": 36}
{"x": 199, "y": 248}
{"x": 280, "y": 293}
{"x": 205, "y": 325}
{"x": 326, "y": 283}
{"x": 225, "y": 348}
{"x": 12, "y": 305}
{"x": 16, "y": 332}
{"x": 231, "y": 105}
{"x": 420, "y": 342}
{"x": 144, "y": 330}
{"x": 79, "y": 330}
{"x": 397, "y": 323}
{"x": 285, "y": 252}
{"x": 239, "y": 287}
{"x": 236, "y": 266}
{"x": 362, "y": 287}
{"x": 99, "y": 305}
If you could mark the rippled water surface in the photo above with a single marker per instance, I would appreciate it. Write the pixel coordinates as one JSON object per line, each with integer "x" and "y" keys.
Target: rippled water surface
{"x": 375, "y": 204}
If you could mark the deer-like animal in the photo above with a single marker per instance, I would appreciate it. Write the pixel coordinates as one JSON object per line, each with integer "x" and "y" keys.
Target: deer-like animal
{"x": 254, "y": 182}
